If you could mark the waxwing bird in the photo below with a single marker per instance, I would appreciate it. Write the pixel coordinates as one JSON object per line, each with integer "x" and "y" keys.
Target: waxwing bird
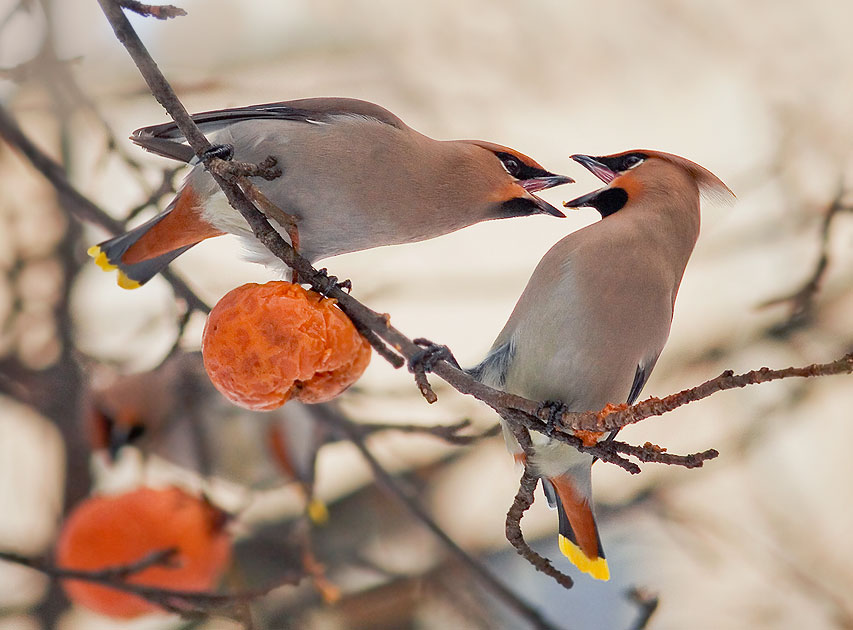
{"x": 594, "y": 317}
{"x": 175, "y": 414}
{"x": 354, "y": 176}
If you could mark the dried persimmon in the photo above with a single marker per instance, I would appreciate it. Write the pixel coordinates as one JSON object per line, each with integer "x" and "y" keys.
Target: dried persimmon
{"x": 264, "y": 344}
{"x": 115, "y": 531}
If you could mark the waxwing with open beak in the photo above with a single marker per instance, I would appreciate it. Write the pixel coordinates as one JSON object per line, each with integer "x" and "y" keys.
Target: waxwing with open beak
{"x": 595, "y": 315}
{"x": 354, "y": 176}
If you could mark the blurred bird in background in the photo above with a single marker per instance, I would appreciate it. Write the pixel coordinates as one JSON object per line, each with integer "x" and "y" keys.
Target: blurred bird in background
{"x": 594, "y": 318}
{"x": 174, "y": 412}
{"x": 354, "y": 176}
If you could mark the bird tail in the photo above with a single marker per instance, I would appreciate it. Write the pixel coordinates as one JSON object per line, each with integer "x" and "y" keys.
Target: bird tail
{"x": 579, "y": 539}
{"x": 144, "y": 251}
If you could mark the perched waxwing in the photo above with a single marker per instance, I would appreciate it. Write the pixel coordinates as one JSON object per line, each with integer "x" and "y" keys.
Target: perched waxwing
{"x": 354, "y": 176}
{"x": 594, "y": 317}
{"x": 174, "y": 413}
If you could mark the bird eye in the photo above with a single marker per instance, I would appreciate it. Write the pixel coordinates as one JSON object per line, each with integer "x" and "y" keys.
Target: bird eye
{"x": 511, "y": 164}
{"x": 631, "y": 161}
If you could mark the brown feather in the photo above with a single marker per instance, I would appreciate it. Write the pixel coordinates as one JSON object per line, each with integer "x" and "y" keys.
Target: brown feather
{"x": 580, "y": 516}
{"x": 182, "y": 226}
{"x": 709, "y": 184}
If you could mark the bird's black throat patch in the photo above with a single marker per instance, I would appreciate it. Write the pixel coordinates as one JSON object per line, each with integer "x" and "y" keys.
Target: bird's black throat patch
{"x": 609, "y": 201}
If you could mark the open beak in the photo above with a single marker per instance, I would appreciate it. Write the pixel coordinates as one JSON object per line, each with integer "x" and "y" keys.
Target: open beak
{"x": 541, "y": 183}
{"x": 595, "y": 167}
{"x": 582, "y": 201}
{"x": 536, "y": 184}
{"x": 547, "y": 208}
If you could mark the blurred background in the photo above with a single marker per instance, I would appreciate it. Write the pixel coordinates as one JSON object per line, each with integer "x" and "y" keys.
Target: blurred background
{"x": 759, "y": 93}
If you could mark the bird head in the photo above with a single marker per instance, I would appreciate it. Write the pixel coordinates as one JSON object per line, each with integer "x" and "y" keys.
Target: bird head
{"x": 513, "y": 178}
{"x": 632, "y": 176}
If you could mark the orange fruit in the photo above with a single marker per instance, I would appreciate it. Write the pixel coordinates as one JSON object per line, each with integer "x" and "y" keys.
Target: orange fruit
{"x": 266, "y": 343}
{"x": 120, "y": 530}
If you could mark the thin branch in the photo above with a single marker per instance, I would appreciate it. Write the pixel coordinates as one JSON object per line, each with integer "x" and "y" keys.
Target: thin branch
{"x": 447, "y": 432}
{"x": 161, "y": 12}
{"x": 802, "y": 301}
{"x": 353, "y": 433}
{"x": 647, "y": 603}
{"x": 184, "y": 603}
{"x": 76, "y": 203}
{"x": 726, "y": 380}
{"x": 522, "y": 502}
{"x": 652, "y": 453}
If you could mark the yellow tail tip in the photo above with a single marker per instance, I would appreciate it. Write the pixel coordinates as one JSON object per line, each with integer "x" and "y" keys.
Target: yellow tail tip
{"x": 103, "y": 262}
{"x": 100, "y": 258}
{"x": 596, "y": 568}
{"x": 317, "y": 512}
{"x": 126, "y": 283}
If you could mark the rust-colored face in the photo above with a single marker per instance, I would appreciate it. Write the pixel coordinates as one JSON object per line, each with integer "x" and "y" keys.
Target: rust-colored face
{"x": 522, "y": 176}
{"x": 631, "y": 175}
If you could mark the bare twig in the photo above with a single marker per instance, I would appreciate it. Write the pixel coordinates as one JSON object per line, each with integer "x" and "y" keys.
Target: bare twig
{"x": 233, "y": 171}
{"x": 652, "y": 453}
{"x": 801, "y": 301}
{"x": 161, "y": 12}
{"x": 185, "y": 603}
{"x": 647, "y": 603}
{"x": 726, "y": 380}
{"x": 353, "y": 433}
{"x": 522, "y": 502}
{"x": 447, "y": 432}
{"x": 76, "y": 203}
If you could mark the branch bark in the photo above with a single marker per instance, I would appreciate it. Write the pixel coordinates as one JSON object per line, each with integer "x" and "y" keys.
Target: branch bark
{"x": 184, "y": 603}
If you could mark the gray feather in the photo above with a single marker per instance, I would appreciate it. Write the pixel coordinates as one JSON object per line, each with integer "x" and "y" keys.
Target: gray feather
{"x": 493, "y": 369}
{"x": 168, "y": 141}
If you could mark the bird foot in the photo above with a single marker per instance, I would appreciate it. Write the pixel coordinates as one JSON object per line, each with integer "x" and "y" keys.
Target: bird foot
{"x": 331, "y": 282}
{"x": 221, "y": 151}
{"x": 429, "y": 355}
{"x": 555, "y": 409}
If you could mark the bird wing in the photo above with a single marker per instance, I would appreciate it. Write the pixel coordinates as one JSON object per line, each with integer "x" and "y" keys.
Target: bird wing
{"x": 492, "y": 370}
{"x": 168, "y": 141}
{"x": 640, "y": 377}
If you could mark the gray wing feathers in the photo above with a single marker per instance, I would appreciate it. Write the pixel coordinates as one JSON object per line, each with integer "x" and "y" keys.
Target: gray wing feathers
{"x": 167, "y": 140}
{"x": 493, "y": 369}
{"x": 640, "y": 378}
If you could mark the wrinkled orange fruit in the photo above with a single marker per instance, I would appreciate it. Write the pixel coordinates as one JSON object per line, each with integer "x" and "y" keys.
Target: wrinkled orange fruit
{"x": 120, "y": 530}
{"x": 266, "y": 343}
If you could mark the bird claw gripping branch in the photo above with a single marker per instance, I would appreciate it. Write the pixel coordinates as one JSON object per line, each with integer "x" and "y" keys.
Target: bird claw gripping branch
{"x": 331, "y": 282}
{"x": 555, "y": 409}
{"x": 429, "y": 355}
{"x": 222, "y": 151}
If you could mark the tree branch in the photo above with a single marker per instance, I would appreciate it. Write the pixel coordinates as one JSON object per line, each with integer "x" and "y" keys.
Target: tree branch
{"x": 522, "y": 502}
{"x": 184, "y": 603}
{"x": 77, "y": 204}
{"x": 802, "y": 301}
{"x": 353, "y": 433}
{"x": 161, "y": 12}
